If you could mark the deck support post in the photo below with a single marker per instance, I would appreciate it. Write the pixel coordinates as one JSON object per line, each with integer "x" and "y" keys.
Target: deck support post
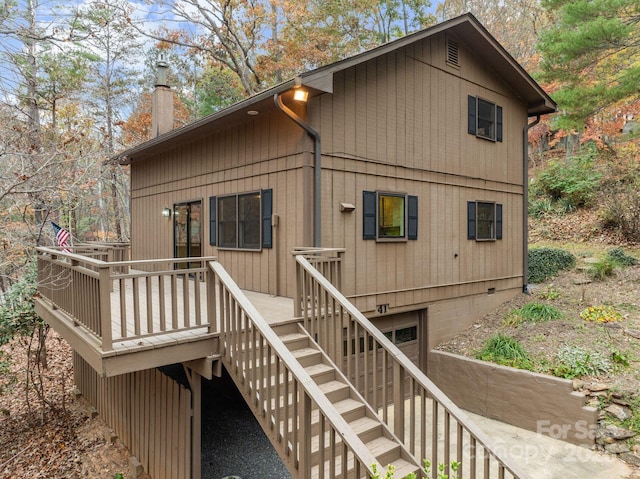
{"x": 195, "y": 383}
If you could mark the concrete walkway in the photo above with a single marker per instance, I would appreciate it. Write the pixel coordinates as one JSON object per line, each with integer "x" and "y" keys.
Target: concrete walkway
{"x": 546, "y": 458}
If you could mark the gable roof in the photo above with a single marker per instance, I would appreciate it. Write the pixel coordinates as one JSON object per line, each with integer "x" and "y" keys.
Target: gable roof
{"x": 465, "y": 27}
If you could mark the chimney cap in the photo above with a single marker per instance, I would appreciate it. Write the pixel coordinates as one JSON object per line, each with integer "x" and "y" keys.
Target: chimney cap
{"x": 161, "y": 69}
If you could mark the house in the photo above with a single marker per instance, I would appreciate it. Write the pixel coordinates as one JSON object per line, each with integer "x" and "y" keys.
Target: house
{"x": 410, "y": 156}
{"x": 408, "y": 160}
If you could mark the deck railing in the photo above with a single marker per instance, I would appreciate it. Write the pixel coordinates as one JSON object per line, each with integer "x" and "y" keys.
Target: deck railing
{"x": 432, "y": 426}
{"x": 328, "y": 261}
{"x": 282, "y": 395}
{"x": 115, "y": 301}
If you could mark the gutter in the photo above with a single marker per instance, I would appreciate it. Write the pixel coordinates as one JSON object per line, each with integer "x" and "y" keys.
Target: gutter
{"x": 317, "y": 193}
{"x": 525, "y": 203}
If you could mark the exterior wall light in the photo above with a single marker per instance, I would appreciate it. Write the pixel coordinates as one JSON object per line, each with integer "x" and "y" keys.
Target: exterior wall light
{"x": 347, "y": 207}
{"x": 166, "y": 212}
{"x": 301, "y": 95}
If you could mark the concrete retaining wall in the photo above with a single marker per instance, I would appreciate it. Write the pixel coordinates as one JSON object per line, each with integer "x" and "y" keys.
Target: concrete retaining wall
{"x": 532, "y": 401}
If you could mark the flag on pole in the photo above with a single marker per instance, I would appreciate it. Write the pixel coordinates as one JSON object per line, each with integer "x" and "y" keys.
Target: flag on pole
{"x": 62, "y": 237}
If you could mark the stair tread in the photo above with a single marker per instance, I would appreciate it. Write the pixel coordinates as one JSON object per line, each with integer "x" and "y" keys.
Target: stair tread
{"x": 289, "y": 337}
{"x": 304, "y": 352}
{"x": 347, "y": 405}
{"x": 404, "y": 467}
{"x": 381, "y": 445}
{"x": 318, "y": 368}
{"x": 331, "y": 386}
{"x": 363, "y": 424}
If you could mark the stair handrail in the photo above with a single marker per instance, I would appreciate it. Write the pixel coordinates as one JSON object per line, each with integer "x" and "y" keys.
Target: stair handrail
{"x": 405, "y": 363}
{"x": 326, "y": 408}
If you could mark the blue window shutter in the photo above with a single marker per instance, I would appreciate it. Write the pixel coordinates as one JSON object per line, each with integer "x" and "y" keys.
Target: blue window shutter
{"x": 498, "y": 221}
{"x": 412, "y": 217}
{"x": 368, "y": 215}
{"x": 267, "y": 211}
{"x": 471, "y": 220}
{"x": 498, "y": 123}
{"x": 472, "y": 115}
{"x": 212, "y": 220}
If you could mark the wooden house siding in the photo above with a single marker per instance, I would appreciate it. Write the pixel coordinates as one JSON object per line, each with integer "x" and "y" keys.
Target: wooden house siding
{"x": 397, "y": 123}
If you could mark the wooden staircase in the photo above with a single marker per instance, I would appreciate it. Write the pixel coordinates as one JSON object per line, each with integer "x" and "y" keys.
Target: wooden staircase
{"x": 335, "y": 396}
{"x": 363, "y": 421}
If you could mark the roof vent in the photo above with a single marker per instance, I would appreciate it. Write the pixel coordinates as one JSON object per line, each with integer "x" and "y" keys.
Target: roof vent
{"x": 452, "y": 53}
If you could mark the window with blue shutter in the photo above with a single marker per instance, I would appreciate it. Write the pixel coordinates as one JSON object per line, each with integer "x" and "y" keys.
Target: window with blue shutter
{"x": 471, "y": 121}
{"x": 412, "y": 217}
{"x": 484, "y": 221}
{"x": 369, "y": 215}
{"x": 471, "y": 220}
{"x": 484, "y": 119}
{"x": 212, "y": 220}
{"x": 267, "y": 211}
{"x": 389, "y": 216}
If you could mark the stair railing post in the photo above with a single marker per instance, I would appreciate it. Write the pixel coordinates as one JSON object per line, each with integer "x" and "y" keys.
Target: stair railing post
{"x": 398, "y": 400}
{"x": 297, "y": 303}
{"x": 305, "y": 435}
{"x": 212, "y": 308}
{"x": 104, "y": 272}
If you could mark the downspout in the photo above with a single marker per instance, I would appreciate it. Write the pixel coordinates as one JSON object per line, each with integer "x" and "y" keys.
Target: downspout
{"x": 525, "y": 203}
{"x": 317, "y": 194}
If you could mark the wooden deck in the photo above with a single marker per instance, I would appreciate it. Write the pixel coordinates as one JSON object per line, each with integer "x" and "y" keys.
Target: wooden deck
{"x": 153, "y": 318}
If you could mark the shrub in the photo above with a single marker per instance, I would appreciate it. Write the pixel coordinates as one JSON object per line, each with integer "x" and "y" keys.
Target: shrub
{"x": 574, "y": 180}
{"x": 621, "y": 210}
{"x": 534, "y": 313}
{"x": 540, "y": 207}
{"x": 618, "y": 256}
{"x": 574, "y": 361}
{"x": 505, "y": 350}
{"x": 546, "y": 262}
{"x": 601, "y": 269}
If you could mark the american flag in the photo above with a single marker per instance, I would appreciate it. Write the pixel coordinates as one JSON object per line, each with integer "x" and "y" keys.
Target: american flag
{"x": 62, "y": 237}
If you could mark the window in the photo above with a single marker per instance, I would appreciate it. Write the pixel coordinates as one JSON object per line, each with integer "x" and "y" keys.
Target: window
{"x": 484, "y": 119}
{"x": 484, "y": 220}
{"x": 241, "y": 221}
{"x": 389, "y": 216}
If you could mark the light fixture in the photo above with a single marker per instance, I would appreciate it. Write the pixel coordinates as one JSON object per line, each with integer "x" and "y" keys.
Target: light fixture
{"x": 300, "y": 95}
{"x": 347, "y": 207}
{"x": 252, "y": 112}
{"x": 166, "y": 212}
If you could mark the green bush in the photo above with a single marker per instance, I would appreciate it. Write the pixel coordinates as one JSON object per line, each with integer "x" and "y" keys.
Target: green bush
{"x": 574, "y": 180}
{"x": 600, "y": 270}
{"x": 574, "y": 361}
{"x": 534, "y": 313}
{"x": 540, "y": 207}
{"x": 618, "y": 256}
{"x": 505, "y": 350}
{"x": 546, "y": 262}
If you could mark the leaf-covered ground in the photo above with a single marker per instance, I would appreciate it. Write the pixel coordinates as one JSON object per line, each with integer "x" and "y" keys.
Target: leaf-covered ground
{"x": 60, "y": 439}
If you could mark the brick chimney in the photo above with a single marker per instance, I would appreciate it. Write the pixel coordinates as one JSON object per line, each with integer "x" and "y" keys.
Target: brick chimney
{"x": 162, "y": 101}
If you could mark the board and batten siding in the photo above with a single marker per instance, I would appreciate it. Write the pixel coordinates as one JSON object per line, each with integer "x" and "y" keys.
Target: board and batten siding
{"x": 150, "y": 412}
{"x": 269, "y": 152}
{"x": 398, "y": 123}
{"x": 395, "y": 123}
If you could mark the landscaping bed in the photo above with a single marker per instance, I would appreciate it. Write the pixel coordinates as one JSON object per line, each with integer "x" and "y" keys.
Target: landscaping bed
{"x": 583, "y": 324}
